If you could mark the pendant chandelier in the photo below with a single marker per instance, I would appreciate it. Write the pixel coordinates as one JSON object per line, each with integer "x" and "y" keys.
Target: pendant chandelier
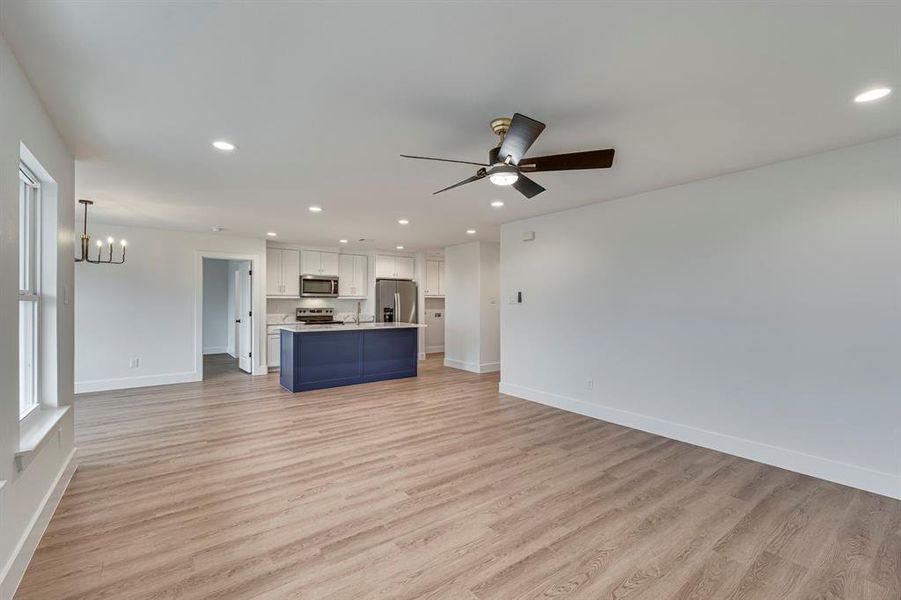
{"x": 86, "y": 244}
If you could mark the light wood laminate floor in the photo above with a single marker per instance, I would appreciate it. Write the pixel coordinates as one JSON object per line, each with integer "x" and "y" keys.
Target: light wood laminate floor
{"x": 434, "y": 487}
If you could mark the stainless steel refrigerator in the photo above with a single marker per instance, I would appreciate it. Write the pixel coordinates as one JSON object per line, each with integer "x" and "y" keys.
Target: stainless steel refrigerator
{"x": 395, "y": 301}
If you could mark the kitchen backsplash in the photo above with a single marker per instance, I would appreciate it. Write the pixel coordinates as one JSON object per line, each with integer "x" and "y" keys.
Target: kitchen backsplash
{"x": 278, "y": 309}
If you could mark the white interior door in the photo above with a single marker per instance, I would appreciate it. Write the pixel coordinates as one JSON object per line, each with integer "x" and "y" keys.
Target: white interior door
{"x": 235, "y": 315}
{"x": 245, "y": 335}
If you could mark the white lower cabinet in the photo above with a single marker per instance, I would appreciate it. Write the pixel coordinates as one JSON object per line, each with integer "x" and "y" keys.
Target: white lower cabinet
{"x": 273, "y": 347}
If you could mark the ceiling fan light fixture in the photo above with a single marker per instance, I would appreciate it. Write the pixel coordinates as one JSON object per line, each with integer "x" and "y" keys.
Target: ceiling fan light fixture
{"x": 504, "y": 177}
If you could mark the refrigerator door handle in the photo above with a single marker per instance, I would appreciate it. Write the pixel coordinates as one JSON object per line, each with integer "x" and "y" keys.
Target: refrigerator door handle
{"x": 396, "y": 306}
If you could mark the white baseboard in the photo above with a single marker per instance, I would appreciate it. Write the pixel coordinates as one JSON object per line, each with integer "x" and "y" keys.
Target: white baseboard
{"x": 216, "y": 350}
{"x": 421, "y": 356}
{"x": 15, "y": 569}
{"x": 472, "y": 367}
{"x": 434, "y": 349}
{"x": 122, "y": 383}
{"x": 854, "y": 476}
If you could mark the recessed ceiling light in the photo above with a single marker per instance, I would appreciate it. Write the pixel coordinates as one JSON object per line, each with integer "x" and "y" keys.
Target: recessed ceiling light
{"x": 497, "y": 203}
{"x": 342, "y": 241}
{"x": 873, "y": 94}
{"x": 223, "y": 145}
{"x": 471, "y": 231}
{"x": 399, "y": 247}
{"x": 271, "y": 234}
{"x": 315, "y": 209}
{"x": 217, "y": 229}
{"x": 403, "y": 221}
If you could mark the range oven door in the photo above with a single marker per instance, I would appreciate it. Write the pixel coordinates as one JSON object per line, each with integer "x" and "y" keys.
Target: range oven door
{"x": 318, "y": 287}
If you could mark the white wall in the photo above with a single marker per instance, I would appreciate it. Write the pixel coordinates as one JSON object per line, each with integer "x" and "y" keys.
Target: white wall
{"x": 489, "y": 310}
{"x": 471, "y": 336}
{"x": 756, "y": 313}
{"x": 215, "y": 306}
{"x": 149, "y": 308}
{"x": 27, "y": 493}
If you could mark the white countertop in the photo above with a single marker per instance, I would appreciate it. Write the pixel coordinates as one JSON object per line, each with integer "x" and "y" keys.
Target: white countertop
{"x": 349, "y": 327}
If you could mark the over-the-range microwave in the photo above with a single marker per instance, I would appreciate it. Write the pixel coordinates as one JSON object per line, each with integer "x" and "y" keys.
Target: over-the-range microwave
{"x": 317, "y": 286}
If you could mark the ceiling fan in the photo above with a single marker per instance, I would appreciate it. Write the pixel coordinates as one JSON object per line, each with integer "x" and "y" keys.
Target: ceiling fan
{"x": 507, "y": 164}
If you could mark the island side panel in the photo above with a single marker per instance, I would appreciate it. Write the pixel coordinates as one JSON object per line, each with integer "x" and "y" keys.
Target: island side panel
{"x": 389, "y": 354}
{"x": 286, "y": 353}
{"x": 327, "y": 359}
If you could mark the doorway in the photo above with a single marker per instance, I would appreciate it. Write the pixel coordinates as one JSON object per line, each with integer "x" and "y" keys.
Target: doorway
{"x": 227, "y": 317}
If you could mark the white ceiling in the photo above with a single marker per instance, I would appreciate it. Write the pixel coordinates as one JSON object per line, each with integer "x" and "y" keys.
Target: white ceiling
{"x": 321, "y": 99}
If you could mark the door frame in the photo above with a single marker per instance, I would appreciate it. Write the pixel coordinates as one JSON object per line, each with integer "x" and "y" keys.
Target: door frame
{"x": 258, "y": 303}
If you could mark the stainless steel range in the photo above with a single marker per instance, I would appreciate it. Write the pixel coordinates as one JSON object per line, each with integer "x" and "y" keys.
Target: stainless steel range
{"x": 317, "y": 316}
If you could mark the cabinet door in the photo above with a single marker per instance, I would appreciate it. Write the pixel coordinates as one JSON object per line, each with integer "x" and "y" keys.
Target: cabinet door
{"x": 328, "y": 263}
{"x": 273, "y": 350}
{"x": 404, "y": 267}
{"x": 345, "y": 274}
{"x": 441, "y": 287}
{"x": 431, "y": 278}
{"x": 309, "y": 262}
{"x": 361, "y": 276}
{"x": 384, "y": 267}
{"x": 291, "y": 273}
{"x": 273, "y": 272}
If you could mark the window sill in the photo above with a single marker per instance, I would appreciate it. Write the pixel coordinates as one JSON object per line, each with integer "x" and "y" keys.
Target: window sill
{"x": 34, "y": 431}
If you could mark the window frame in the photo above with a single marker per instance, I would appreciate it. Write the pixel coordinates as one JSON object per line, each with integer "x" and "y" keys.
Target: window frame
{"x": 30, "y": 285}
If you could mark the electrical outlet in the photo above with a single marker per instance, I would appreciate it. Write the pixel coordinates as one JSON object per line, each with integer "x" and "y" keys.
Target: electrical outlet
{"x": 589, "y": 384}
{"x": 134, "y": 363}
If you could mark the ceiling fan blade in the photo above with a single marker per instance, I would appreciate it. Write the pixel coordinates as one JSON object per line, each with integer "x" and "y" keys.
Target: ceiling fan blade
{"x": 480, "y": 175}
{"x": 522, "y": 134}
{"x": 527, "y": 187}
{"x": 593, "y": 159}
{"x": 462, "y": 162}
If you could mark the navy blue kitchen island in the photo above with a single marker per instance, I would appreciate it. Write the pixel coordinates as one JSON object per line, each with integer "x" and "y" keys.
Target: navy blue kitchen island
{"x": 316, "y": 357}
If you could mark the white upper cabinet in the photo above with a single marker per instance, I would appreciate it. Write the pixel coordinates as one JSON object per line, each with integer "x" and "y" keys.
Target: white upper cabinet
{"x": 434, "y": 278}
{"x": 406, "y": 267}
{"x": 329, "y": 262}
{"x": 282, "y": 272}
{"x": 273, "y": 272}
{"x": 431, "y": 278}
{"x": 394, "y": 267}
{"x": 291, "y": 273}
{"x": 384, "y": 266}
{"x": 353, "y": 275}
{"x": 309, "y": 263}
{"x": 319, "y": 263}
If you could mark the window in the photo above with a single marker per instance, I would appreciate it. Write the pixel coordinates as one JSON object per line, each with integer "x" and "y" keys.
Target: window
{"x": 29, "y": 289}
